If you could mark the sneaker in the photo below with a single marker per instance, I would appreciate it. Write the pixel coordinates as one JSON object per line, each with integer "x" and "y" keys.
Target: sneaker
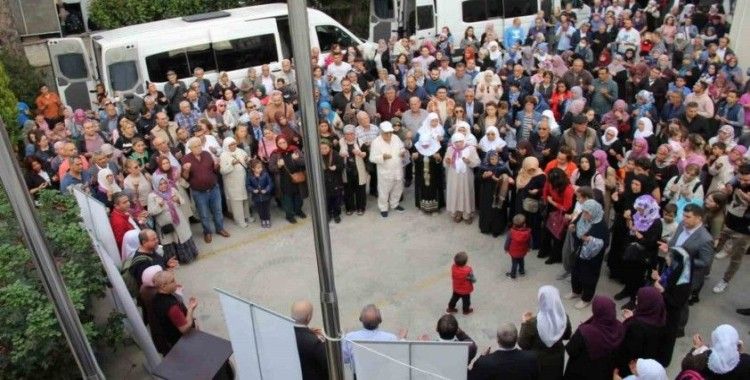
{"x": 337, "y": 219}
{"x": 581, "y": 304}
{"x": 360, "y": 212}
{"x": 451, "y": 311}
{"x": 721, "y": 255}
{"x": 468, "y": 311}
{"x": 268, "y": 224}
{"x": 291, "y": 219}
{"x": 522, "y": 273}
{"x": 721, "y": 287}
{"x": 384, "y": 214}
{"x": 571, "y": 296}
{"x": 349, "y": 212}
{"x": 563, "y": 275}
{"x": 399, "y": 208}
{"x": 251, "y": 219}
{"x": 511, "y": 275}
{"x": 694, "y": 299}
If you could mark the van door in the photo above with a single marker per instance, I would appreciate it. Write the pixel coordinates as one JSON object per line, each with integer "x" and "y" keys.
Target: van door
{"x": 123, "y": 69}
{"x": 425, "y": 11}
{"x": 73, "y": 74}
{"x": 383, "y": 19}
{"x": 242, "y": 45}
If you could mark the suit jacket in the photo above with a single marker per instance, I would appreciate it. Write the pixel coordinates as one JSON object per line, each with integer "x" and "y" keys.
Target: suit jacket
{"x": 506, "y": 365}
{"x": 478, "y": 110}
{"x": 658, "y": 88}
{"x": 312, "y": 354}
{"x": 700, "y": 245}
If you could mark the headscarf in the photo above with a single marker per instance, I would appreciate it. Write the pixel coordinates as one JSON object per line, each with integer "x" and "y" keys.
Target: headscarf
{"x": 607, "y": 141}
{"x": 79, "y": 116}
{"x": 104, "y": 185}
{"x": 584, "y": 177}
{"x": 684, "y": 260}
{"x": 649, "y": 307}
{"x": 427, "y": 129}
{"x": 576, "y": 106}
{"x": 529, "y": 163}
{"x": 644, "y": 152}
{"x": 553, "y": 126}
{"x": 497, "y": 144}
{"x": 427, "y": 145}
{"x": 470, "y": 139}
{"x": 551, "y": 319}
{"x": 331, "y": 114}
{"x": 603, "y": 164}
{"x": 647, "y": 96}
{"x": 496, "y": 169}
{"x": 130, "y": 244}
{"x": 603, "y": 333}
{"x": 227, "y": 142}
{"x": 576, "y": 92}
{"x": 166, "y": 196}
{"x": 650, "y": 369}
{"x": 727, "y": 129}
{"x": 494, "y": 55}
{"x": 147, "y": 278}
{"x": 289, "y": 146}
{"x": 597, "y": 214}
{"x": 648, "y": 128}
{"x": 457, "y": 158}
{"x": 724, "y": 355}
{"x": 642, "y": 220}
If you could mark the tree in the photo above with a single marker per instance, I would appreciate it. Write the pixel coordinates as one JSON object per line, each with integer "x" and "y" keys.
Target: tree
{"x": 8, "y": 101}
{"x": 9, "y": 38}
{"x": 110, "y": 14}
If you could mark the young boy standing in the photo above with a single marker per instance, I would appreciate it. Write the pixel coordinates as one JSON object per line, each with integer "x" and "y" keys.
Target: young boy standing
{"x": 463, "y": 284}
{"x": 517, "y": 245}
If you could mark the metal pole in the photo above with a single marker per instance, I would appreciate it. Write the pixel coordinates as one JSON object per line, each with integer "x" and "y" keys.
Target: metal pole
{"x": 299, "y": 28}
{"x": 20, "y": 200}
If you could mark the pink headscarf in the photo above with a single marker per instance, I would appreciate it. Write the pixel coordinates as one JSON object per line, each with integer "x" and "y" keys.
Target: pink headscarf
{"x": 603, "y": 165}
{"x": 79, "y": 116}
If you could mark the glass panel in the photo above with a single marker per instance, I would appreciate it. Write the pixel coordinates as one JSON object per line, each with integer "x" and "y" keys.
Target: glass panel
{"x": 411, "y": 23}
{"x": 494, "y": 8}
{"x": 73, "y": 66}
{"x": 329, "y": 35}
{"x": 474, "y": 10}
{"x": 519, "y": 8}
{"x": 245, "y": 52}
{"x": 158, "y": 65}
{"x": 425, "y": 16}
{"x": 123, "y": 76}
{"x": 201, "y": 56}
{"x": 282, "y": 25}
{"x": 383, "y": 8}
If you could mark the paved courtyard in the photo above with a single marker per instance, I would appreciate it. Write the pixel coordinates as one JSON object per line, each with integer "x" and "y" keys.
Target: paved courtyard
{"x": 401, "y": 264}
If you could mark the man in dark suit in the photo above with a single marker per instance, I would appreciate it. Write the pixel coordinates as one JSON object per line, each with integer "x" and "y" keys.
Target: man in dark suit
{"x": 507, "y": 363}
{"x": 694, "y": 238}
{"x": 204, "y": 85}
{"x": 657, "y": 85}
{"x": 474, "y": 109}
{"x": 447, "y": 328}
{"x": 312, "y": 352}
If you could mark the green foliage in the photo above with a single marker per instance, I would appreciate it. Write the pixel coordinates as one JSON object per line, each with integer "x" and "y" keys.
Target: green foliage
{"x": 110, "y": 14}
{"x": 31, "y": 342}
{"x": 8, "y": 111}
{"x": 24, "y": 78}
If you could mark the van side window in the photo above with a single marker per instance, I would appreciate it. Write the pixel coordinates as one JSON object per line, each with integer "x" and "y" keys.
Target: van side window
{"x": 282, "y": 25}
{"x": 73, "y": 66}
{"x": 245, "y": 52}
{"x": 329, "y": 35}
{"x": 480, "y": 10}
{"x": 159, "y": 63}
{"x": 123, "y": 76}
{"x": 201, "y": 56}
{"x": 520, "y": 8}
{"x": 425, "y": 17}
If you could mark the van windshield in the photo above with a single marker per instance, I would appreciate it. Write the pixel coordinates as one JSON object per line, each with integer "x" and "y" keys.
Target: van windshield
{"x": 123, "y": 76}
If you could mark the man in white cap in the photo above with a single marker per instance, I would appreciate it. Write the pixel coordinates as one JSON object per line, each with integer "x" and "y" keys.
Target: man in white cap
{"x": 387, "y": 152}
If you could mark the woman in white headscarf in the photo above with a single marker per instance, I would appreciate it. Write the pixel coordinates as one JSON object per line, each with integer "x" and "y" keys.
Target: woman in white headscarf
{"x": 106, "y": 186}
{"x": 233, "y": 168}
{"x": 495, "y": 54}
{"x": 130, "y": 244}
{"x": 491, "y": 141}
{"x": 724, "y": 360}
{"x": 545, "y": 333}
{"x": 489, "y": 87}
{"x": 460, "y": 159}
{"x": 463, "y": 128}
{"x": 429, "y": 174}
{"x": 431, "y": 126}
{"x": 646, "y": 369}
{"x": 171, "y": 223}
{"x": 553, "y": 126}
{"x": 644, "y": 128}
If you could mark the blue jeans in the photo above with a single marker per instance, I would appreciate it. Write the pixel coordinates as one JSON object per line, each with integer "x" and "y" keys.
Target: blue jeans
{"x": 209, "y": 202}
{"x": 517, "y": 265}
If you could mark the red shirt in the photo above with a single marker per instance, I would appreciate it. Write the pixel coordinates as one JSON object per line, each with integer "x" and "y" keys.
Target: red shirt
{"x": 387, "y": 110}
{"x": 564, "y": 199}
{"x": 120, "y": 223}
{"x": 519, "y": 241}
{"x": 202, "y": 171}
{"x": 570, "y": 167}
{"x": 460, "y": 276}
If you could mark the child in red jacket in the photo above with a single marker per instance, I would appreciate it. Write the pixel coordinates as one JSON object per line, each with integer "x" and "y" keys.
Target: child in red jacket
{"x": 463, "y": 284}
{"x": 517, "y": 245}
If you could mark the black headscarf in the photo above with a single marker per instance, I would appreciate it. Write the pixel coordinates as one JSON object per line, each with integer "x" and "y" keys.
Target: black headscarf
{"x": 584, "y": 177}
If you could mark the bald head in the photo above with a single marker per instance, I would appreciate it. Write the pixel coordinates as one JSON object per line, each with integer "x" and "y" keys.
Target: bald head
{"x": 507, "y": 335}
{"x": 302, "y": 311}
{"x": 370, "y": 317}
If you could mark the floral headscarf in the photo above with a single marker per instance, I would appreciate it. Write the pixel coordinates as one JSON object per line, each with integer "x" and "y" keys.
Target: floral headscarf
{"x": 647, "y": 211}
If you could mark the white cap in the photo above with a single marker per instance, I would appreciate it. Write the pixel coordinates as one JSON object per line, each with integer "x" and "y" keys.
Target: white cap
{"x": 386, "y": 126}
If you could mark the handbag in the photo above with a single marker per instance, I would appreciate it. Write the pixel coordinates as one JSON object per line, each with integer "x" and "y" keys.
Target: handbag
{"x": 167, "y": 229}
{"x": 530, "y": 205}
{"x": 296, "y": 177}
{"x": 634, "y": 252}
{"x": 556, "y": 223}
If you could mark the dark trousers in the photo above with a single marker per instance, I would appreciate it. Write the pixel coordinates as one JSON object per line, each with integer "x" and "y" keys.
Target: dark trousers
{"x": 465, "y": 301}
{"x": 355, "y": 197}
{"x": 550, "y": 246}
{"x": 264, "y": 209}
{"x": 633, "y": 273}
{"x": 334, "y": 203}
{"x": 292, "y": 205}
{"x": 585, "y": 276}
{"x": 408, "y": 174}
{"x": 698, "y": 279}
{"x": 517, "y": 265}
{"x": 374, "y": 183}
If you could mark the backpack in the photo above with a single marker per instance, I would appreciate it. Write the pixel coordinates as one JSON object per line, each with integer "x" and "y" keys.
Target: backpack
{"x": 130, "y": 281}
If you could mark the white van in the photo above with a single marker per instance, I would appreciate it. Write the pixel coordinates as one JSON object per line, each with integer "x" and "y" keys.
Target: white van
{"x": 233, "y": 40}
{"x": 425, "y": 18}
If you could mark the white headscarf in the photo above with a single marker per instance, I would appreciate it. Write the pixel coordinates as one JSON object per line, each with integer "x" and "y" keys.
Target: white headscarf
{"x": 724, "y": 355}
{"x": 648, "y": 128}
{"x": 458, "y": 162}
{"x": 497, "y": 144}
{"x": 130, "y": 244}
{"x": 427, "y": 129}
{"x": 554, "y": 128}
{"x": 469, "y": 137}
{"x": 650, "y": 369}
{"x": 101, "y": 178}
{"x": 427, "y": 145}
{"x": 551, "y": 319}
{"x": 494, "y": 55}
{"x": 606, "y": 141}
{"x": 147, "y": 278}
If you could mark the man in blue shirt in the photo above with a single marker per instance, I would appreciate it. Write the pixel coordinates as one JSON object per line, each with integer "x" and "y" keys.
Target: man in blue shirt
{"x": 514, "y": 34}
{"x": 75, "y": 176}
{"x": 371, "y": 319}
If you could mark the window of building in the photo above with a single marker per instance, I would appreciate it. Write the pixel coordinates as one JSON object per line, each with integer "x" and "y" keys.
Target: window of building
{"x": 520, "y": 8}
{"x": 329, "y": 35}
{"x": 245, "y": 52}
{"x": 425, "y": 17}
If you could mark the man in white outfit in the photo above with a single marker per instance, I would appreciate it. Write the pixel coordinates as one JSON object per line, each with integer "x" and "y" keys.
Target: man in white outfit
{"x": 387, "y": 152}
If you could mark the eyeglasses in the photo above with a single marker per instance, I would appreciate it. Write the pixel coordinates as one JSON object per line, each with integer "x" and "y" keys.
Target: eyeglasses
{"x": 459, "y": 111}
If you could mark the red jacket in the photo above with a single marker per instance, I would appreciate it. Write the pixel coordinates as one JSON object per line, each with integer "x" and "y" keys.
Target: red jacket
{"x": 120, "y": 225}
{"x": 519, "y": 242}
{"x": 564, "y": 199}
{"x": 460, "y": 276}
{"x": 388, "y": 111}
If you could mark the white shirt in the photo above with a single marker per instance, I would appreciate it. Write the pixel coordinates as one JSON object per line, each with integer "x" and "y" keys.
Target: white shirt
{"x": 390, "y": 168}
{"x": 685, "y": 234}
{"x": 339, "y": 72}
{"x": 373, "y": 335}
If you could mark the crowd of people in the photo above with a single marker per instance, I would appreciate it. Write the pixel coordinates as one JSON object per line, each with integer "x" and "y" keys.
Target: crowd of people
{"x": 621, "y": 137}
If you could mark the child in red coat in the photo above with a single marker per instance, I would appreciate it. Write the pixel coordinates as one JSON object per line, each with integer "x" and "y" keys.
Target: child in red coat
{"x": 517, "y": 245}
{"x": 463, "y": 284}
